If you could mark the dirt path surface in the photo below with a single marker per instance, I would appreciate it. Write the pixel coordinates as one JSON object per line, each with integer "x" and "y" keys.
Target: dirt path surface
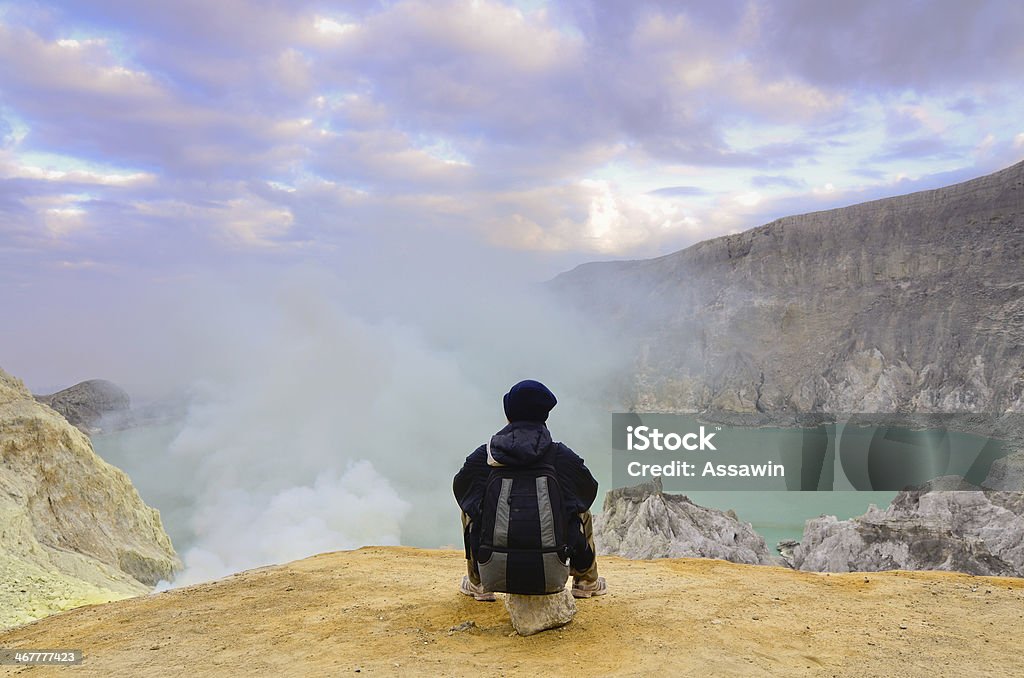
{"x": 391, "y": 611}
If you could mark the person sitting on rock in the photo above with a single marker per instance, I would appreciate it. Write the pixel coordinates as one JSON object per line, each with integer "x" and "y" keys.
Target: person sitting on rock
{"x": 525, "y": 444}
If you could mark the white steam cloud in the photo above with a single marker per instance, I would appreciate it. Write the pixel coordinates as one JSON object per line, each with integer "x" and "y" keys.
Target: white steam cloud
{"x": 238, "y": 528}
{"x": 329, "y": 411}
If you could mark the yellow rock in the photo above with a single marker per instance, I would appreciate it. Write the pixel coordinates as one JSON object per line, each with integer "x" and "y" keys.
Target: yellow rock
{"x": 73, "y": 529}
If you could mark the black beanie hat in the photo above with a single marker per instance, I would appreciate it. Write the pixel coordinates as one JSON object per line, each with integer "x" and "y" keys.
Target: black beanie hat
{"x": 529, "y": 400}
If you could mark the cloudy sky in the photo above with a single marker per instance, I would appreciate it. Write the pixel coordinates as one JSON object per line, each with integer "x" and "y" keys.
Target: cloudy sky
{"x": 143, "y": 142}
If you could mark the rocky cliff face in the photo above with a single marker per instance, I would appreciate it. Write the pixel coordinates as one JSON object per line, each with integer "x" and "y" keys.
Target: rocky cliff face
{"x": 72, "y": 527}
{"x": 978, "y": 532}
{"x": 913, "y": 303}
{"x": 86, "y": 404}
{"x": 643, "y": 522}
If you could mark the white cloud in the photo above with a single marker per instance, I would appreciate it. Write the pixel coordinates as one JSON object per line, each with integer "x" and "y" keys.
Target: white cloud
{"x": 256, "y": 223}
{"x": 12, "y": 169}
{"x": 333, "y": 27}
{"x": 748, "y": 199}
{"x": 593, "y": 216}
{"x": 443, "y": 149}
{"x": 986, "y": 145}
{"x": 60, "y": 215}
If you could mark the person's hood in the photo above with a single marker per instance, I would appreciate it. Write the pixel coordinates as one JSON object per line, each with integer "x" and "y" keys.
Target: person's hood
{"x": 521, "y": 443}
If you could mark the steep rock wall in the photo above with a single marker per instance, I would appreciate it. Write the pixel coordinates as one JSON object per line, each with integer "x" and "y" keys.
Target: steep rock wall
{"x": 912, "y": 303}
{"x": 67, "y": 514}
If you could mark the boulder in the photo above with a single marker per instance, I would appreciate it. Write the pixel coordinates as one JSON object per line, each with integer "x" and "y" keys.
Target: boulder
{"x": 786, "y": 547}
{"x": 533, "y": 614}
{"x": 975, "y": 531}
{"x": 643, "y": 522}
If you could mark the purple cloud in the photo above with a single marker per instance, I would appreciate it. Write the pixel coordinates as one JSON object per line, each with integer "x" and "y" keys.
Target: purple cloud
{"x": 257, "y": 127}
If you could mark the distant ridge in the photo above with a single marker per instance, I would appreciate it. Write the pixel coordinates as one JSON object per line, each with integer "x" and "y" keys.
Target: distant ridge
{"x": 907, "y": 304}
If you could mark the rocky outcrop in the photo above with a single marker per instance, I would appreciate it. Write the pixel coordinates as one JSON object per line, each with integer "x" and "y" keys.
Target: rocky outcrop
{"x": 786, "y": 547}
{"x": 72, "y": 527}
{"x": 643, "y": 522}
{"x": 964, "y": 530}
{"x": 533, "y": 614}
{"x": 1006, "y": 474}
{"x": 908, "y": 304}
{"x": 87, "y": 404}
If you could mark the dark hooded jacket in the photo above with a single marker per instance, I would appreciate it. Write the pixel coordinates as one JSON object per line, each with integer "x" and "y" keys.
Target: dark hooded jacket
{"x": 522, "y": 443}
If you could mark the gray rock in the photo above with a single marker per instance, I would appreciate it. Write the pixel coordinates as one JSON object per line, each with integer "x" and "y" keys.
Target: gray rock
{"x": 968, "y": 530}
{"x": 533, "y": 614}
{"x": 786, "y": 547}
{"x": 907, "y": 304}
{"x": 88, "y": 403}
{"x": 1006, "y": 474}
{"x": 464, "y": 626}
{"x": 643, "y": 522}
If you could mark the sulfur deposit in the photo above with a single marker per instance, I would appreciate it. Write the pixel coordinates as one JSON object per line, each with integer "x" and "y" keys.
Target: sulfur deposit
{"x": 396, "y": 611}
{"x": 73, "y": 529}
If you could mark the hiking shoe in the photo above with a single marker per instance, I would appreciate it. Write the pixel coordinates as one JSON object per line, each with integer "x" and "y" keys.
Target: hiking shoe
{"x": 585, "y": 589}
{"x": 476, "y": 590}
